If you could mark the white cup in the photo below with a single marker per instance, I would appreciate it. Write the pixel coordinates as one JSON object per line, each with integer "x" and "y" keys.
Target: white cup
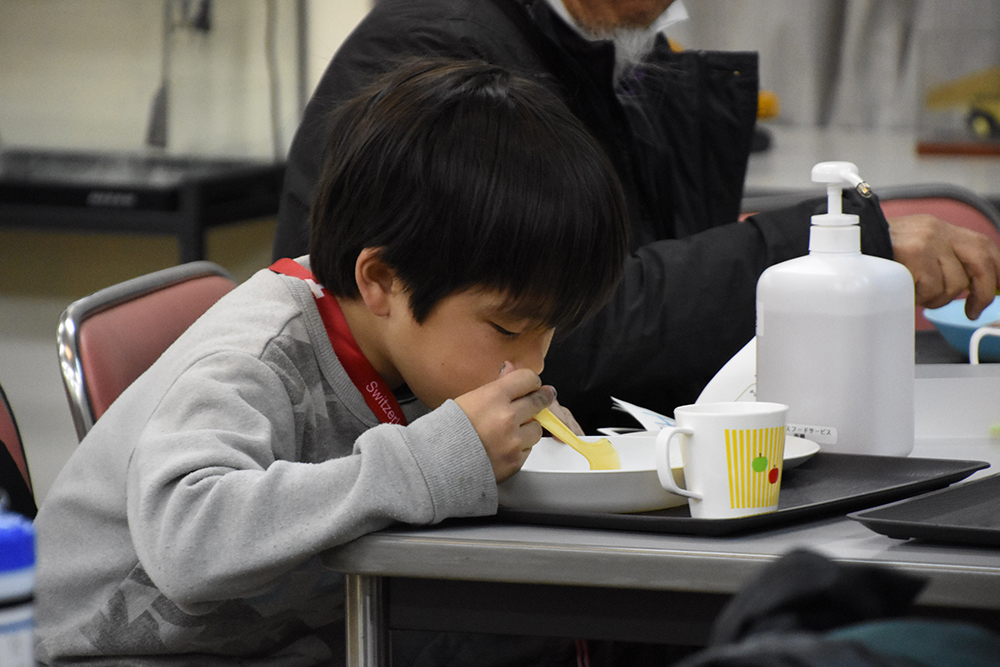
{"x": 732, "y": 455}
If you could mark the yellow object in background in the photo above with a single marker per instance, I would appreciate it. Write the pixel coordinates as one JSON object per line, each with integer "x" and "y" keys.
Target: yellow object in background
{"x": 984, "y": 83}
{"x": 979, "y": 93}
{"x": 768, "y": 105}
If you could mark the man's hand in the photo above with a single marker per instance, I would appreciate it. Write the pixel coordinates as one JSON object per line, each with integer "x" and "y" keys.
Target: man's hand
{"x": 946, "y": 260}
{"x": 502, "y": 411}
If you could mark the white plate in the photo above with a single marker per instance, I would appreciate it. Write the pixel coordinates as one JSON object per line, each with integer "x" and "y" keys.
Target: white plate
{"x": 557, "y": 478}
{"x": 798, "y": 451}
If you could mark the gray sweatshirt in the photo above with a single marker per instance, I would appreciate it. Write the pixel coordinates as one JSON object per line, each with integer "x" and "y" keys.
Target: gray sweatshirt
{"x": 187, "y": 526}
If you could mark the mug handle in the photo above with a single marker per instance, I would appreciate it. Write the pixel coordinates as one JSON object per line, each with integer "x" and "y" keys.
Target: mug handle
{"x": 663, "y": 468}
{"x": 976, "y": 339}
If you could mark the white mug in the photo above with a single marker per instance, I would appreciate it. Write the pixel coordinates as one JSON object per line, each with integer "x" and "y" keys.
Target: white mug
{"x": 732, "y": 454}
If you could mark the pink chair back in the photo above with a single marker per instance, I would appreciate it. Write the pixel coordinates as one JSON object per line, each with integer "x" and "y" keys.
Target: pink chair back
{"x": 114, "y": 335}
{"x": 11, "y": 438}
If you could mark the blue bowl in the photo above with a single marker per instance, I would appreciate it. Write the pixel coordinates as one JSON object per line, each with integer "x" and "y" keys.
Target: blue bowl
{"x": 957, "y": 328}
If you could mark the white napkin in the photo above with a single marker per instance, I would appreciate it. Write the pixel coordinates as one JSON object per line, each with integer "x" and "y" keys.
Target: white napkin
{"x": 650, "y": 420}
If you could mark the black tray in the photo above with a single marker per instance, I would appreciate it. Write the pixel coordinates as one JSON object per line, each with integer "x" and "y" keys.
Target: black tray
{"x": 965, "y": 514}
{"x": 826, "y": 484}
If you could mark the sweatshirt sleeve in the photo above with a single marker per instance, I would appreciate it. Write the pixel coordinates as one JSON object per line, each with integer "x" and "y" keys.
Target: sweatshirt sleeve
{"x": 219, "y": 507}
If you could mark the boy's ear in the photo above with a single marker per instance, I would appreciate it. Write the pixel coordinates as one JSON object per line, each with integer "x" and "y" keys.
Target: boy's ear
{"x": 376, "y": 281}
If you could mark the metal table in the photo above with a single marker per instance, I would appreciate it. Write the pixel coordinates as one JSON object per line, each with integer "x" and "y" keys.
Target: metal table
{"x": 483, "y": 576}
{"x": 521, "y": 579}
{"x": 111, "y": 192}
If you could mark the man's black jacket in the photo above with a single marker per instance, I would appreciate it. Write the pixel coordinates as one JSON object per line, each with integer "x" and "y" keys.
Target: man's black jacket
{"x": 678, "y": 132}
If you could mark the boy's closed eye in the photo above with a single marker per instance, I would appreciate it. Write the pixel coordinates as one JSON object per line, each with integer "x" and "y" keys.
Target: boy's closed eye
{"x": 515, "y": 328}
{"x": 504, "y": 331}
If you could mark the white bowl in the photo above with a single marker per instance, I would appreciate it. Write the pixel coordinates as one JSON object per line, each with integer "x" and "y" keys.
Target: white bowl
{"x": 557, "y": 478}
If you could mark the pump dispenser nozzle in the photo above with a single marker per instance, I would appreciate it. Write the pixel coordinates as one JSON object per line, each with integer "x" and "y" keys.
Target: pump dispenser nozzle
{"x": 836, "y": 175}
{"x": 836, "y": 231}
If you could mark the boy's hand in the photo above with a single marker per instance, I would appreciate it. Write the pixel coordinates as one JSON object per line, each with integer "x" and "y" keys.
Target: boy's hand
{"x": 566, "y": 417}
{"x": 502, "y": 411}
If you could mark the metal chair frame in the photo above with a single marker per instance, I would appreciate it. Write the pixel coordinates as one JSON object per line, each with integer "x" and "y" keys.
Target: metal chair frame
{"x": 73, "y": 320}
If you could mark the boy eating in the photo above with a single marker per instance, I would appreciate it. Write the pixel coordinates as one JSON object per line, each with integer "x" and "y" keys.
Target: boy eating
{"x": 391, "y": 376}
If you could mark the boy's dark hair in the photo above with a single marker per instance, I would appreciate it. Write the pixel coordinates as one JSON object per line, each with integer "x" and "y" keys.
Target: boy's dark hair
{"x": 468, "y": 176}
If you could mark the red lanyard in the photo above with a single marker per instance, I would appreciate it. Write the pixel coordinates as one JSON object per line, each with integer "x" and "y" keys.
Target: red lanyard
{"x": 373, "y": 388}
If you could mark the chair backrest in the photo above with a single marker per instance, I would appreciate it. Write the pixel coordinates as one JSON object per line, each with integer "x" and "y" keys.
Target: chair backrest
{"x": 108, "y": 339}
{"x": 15, "y": 478}
{"x": 951, "y": 203}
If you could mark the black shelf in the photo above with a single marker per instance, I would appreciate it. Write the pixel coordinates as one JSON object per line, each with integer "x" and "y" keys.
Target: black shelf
{"x": 131, "y": 193}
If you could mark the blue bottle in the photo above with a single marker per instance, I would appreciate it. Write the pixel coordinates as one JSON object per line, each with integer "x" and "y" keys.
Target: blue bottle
{"x": 17, "y": 585}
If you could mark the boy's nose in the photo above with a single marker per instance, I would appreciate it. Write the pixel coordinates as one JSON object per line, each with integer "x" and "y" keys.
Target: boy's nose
{"x": 532, "y": 358}
{"x": 536, "y": 365}
{"x": 531, "y": 352}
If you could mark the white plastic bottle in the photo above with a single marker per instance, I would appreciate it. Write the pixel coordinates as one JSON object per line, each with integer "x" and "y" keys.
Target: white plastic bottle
{"x": 17, "y": 584}
{"x": 835, "y": 335}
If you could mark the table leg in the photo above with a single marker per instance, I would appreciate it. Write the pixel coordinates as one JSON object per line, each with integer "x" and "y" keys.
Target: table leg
{"x": 366, "y": 621}
{"x": 191, "y": 246}
{"x": 191, "y": 229}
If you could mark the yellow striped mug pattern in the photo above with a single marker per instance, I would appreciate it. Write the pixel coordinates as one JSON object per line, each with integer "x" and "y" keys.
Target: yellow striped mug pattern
{"x": 755, "y": 457}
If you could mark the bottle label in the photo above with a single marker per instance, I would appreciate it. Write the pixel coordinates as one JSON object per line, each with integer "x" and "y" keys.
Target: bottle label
{"x": 821, "y": 435}
{"x": 16, "y": 645}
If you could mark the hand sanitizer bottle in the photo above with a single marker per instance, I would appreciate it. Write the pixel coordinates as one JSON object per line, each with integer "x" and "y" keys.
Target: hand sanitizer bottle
{"x": 835, "y": 335}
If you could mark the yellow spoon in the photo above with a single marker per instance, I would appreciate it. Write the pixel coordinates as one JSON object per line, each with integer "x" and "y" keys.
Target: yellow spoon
{"x": 601, "y": 454}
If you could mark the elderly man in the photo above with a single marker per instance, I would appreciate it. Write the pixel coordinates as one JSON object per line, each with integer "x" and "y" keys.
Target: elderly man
{"x": 677, "y": 127}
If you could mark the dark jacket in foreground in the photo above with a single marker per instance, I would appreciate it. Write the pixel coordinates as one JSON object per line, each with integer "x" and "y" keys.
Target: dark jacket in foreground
{"x": 806, "y": 610}
{"x": 678, "y": 132}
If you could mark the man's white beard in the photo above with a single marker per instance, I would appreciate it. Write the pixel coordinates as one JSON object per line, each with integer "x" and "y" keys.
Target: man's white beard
{"x": 632, "y": 45}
